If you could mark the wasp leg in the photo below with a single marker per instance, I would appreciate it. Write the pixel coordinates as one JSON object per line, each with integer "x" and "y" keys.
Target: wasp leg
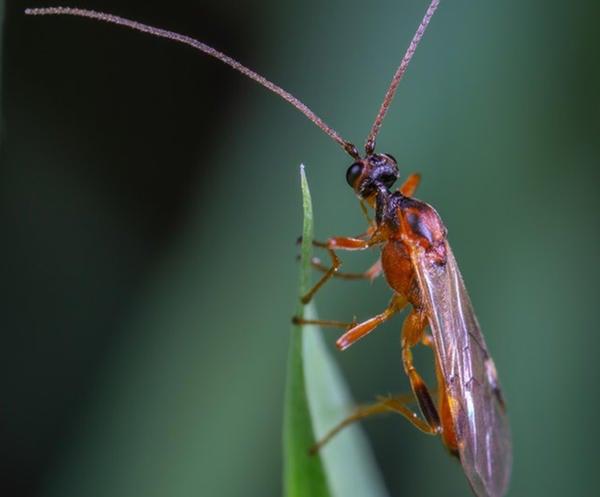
{"x": 357, "y": 330}
{"x": 340, "y": 243}
{"x": 370, "y": 274}
{"x": 355, "y": 333}
{"x": 363, "y": 208}
{"x": 383, "y": 405}
{"x": 323, "y": 322}
{"x": 409, "y": 187}
{"x": 412, "y": 333}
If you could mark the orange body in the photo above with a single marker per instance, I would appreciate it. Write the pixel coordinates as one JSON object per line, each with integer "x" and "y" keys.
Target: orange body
{"x": 418, "y": 264}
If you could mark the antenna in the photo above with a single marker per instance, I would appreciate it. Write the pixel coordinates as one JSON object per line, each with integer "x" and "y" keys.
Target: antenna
{"x": 198, "y": 45}
{"x": 370, "y": 143}
{"x": 202, "y": 47}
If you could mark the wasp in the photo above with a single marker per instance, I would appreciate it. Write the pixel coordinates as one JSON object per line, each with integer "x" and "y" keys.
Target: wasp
{"x": 469, "y": 413}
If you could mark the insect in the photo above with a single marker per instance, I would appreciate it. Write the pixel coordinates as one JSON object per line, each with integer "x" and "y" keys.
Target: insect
{"x": 418, "y": 264}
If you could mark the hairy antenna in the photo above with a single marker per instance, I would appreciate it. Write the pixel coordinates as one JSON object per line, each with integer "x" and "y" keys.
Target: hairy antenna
{"x": 186, "y": 40}
{"x": 370, "y": 144}
{"x": 198, "y": 45}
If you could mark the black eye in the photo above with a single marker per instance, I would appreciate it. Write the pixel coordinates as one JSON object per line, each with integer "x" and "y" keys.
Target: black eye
{"x": 353, "y": 173}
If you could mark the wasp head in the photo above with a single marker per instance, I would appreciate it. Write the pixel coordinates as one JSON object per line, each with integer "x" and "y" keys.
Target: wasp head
{"x": 376, "y": 173}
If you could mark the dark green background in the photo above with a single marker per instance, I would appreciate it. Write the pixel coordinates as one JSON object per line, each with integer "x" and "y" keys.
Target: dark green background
{"x": 149, "y": 205}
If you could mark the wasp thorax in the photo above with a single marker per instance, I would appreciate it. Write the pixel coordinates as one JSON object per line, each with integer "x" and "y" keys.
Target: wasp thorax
{"x": 421, "y": 223}
{"x": 374, "y": 173}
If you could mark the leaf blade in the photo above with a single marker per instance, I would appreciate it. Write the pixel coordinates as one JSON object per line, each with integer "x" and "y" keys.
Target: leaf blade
{"x": 346, "y": 466}
{"x": 304, "y": 475}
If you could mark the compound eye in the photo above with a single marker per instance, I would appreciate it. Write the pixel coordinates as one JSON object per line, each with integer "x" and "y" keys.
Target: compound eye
{"x": 353, "y": 173}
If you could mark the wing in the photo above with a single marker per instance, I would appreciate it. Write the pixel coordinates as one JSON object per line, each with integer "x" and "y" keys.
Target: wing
{"x": 473, "y": 390}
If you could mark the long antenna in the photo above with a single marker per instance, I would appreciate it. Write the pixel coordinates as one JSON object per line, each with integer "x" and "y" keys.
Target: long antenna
{"x": 198, "y": 45}
{"x": 370, "y": 143}
{"x": 186, "y": 40}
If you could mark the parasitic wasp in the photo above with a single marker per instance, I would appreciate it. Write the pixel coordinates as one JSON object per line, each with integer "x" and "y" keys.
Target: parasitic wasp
{"x": 418, "y": 265}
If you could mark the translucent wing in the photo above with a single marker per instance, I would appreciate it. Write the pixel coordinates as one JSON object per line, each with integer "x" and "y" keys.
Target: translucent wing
{"x": 472, "y": 388}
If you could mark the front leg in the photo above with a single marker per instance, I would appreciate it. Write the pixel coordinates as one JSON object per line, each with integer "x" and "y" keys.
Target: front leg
{"x": 370, "y": 274}
{"x": 338, "y": 243}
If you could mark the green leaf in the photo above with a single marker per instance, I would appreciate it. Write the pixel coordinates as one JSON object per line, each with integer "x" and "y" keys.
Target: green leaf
{"x": 316, "y": 400}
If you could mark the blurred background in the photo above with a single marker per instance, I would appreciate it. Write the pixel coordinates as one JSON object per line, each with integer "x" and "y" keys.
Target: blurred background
{"x": 149, "y": 207}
